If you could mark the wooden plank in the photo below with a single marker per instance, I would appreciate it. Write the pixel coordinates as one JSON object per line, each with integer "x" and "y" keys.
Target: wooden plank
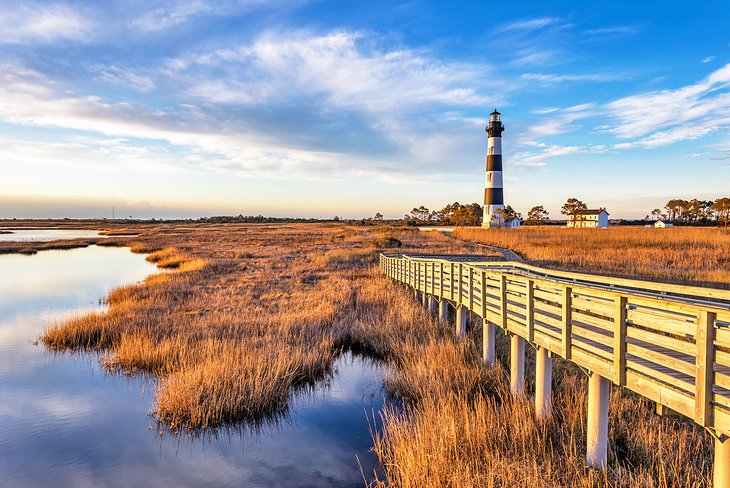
{"x": 666, "y": 341}
{"x": 602, "y": 323}
{"x": 619, "y": 340}
{"x": 547, "y": 296}
{"x": 655, "y": 372}
{"x": 441, "y": 284}
{"x": 681, "y": 364}
{"x": 529, "y": 309}
{"x": 567, "y": 322}
{"x": 587, "y": 332}
{"x": 722, "y": 380}
{"x": 556, "y": 323}
{"x": 483, "y": 294}
{"x": 549, "y": 342}
{"x": 516, "y": 326}
{"x": 503, "y": 301}
{"x": 679, "y": 401}
{"x": 471, "y": 288}
{"x": 722, "y": 359}
{"x": 591, "y": 362}
{"x": 669, "y": 304}
{"x": 722, "y": 334}
{"x": 704, "y": 363}
{"x": 663, "y": 322}
{"x": 721, "y": 417}
{"x": 595, "y": 306}
{"x": 601, "y": 351}
{"x": 548, "y": 330}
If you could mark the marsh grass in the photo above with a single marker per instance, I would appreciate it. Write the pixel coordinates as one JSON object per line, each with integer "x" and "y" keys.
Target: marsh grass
{"x": 29, "y": 248}
{"x": 230, "y": 339}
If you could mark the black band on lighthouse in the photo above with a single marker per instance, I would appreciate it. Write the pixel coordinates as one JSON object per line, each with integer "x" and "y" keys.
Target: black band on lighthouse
{"x": 494, "y": 162}
{"x": 493, "y": 196}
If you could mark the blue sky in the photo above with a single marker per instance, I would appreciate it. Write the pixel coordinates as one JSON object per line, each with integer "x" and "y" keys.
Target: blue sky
{"x": 191, "y": 108}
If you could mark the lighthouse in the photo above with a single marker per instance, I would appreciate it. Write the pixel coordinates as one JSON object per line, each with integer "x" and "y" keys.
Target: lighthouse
{"x": 493, "y": 193}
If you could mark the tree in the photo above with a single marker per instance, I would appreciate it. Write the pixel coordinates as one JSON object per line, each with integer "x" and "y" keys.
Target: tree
{"x": 467, "y": 215}
{"x": 573, "y": 206}
{"x": 510, "y": 213}
{"x": 721, "y": 208}
{"x": 657, "y": 214}
{"x": 378, "y": 216}
{"x": 537, "y": 215}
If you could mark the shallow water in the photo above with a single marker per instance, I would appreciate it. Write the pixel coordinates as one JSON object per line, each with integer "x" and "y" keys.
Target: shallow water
{"x": 65, "y": 422}
{"x": 45, "y": 235}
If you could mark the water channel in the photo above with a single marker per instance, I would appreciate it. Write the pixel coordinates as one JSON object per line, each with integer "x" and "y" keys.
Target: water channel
{"x": 66, "y": 422}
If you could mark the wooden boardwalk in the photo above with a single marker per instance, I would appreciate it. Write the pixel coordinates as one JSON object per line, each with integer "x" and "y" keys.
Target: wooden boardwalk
{"x": 668, "y": 343}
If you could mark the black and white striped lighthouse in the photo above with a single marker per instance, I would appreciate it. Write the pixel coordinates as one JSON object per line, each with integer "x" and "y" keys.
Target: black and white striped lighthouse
{"x": 493, "y": 192}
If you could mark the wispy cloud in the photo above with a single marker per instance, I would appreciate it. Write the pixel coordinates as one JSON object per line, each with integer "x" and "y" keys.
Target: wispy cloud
{"x": 661, "y": 117}
{"x": 619, "y": 29}
{"x": 530, "y": 24}
{"x": 567, "y": 77}
{"x": 123, "y": 76}
{"x": 43, "y": 22}
{"x": 540, "y": 155}
{"x": 709, "y": 59}
{"x": 172, "y": 13}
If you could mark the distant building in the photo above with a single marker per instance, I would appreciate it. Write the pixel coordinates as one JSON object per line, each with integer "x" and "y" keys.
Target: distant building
{"x": 512, "y": 223}
{"x": 662, "y": 224}
{"x": 592, "y": 219}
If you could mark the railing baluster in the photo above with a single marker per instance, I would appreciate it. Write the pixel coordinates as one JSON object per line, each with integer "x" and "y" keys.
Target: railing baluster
{"x": 567, "y": 304}
{"x": 619, "y": 341}
{"x": 704, "y": 337}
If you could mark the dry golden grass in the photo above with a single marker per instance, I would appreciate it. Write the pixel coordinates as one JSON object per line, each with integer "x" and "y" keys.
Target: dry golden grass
{"x": 231, "y": 337}
{"x": 684, "y": 255}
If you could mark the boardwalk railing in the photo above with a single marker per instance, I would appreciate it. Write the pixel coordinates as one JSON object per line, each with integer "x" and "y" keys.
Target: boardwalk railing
{"x": 668, "y": 343}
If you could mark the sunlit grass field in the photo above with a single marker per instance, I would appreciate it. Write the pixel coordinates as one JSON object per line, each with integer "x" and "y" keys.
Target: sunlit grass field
{"x": 684, "y": 255}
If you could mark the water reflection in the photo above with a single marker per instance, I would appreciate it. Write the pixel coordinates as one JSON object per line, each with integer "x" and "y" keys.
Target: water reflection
{"x": 65, "y": 422}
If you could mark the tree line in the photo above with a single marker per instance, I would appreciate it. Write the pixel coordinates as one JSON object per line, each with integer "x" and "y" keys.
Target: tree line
{"x": 695, "y": 211}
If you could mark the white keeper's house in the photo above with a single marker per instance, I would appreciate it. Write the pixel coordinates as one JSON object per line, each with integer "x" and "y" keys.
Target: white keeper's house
{"x": 590, "y": 219}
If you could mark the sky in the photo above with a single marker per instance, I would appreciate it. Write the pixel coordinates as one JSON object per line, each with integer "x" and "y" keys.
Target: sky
{"x": 189, "y": 108}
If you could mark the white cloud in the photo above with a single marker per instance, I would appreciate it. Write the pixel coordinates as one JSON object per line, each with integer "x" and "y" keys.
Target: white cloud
{"x": 530, "y": 24}
{"x": 543, "y": 154}
{"x": 42, "y": 22}
{"x": 604, "y": 31}
{"x": 400, "y": 98}
{"x": 333, "y": 66}
{"x": 662, "y": 117}
{"x": 122, "y": 76}
{"x": 564, "y": 77}
{"x": 173, "y": 13}
{"x": 709, "y": 59}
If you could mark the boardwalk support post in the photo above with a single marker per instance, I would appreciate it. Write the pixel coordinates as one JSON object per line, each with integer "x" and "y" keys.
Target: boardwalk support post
{"x": 444, "y": 311}
{"x": 432, "y": 305}
{"x": 517, "y": 365}
{"x": 543, "y": 384}
{"x": 461, "y": 320}
{"x": 721, "y": 468}
{"x": 488, "y": 343}
{"x": 598, "y": 394}
{"x": 424, "y": 300}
